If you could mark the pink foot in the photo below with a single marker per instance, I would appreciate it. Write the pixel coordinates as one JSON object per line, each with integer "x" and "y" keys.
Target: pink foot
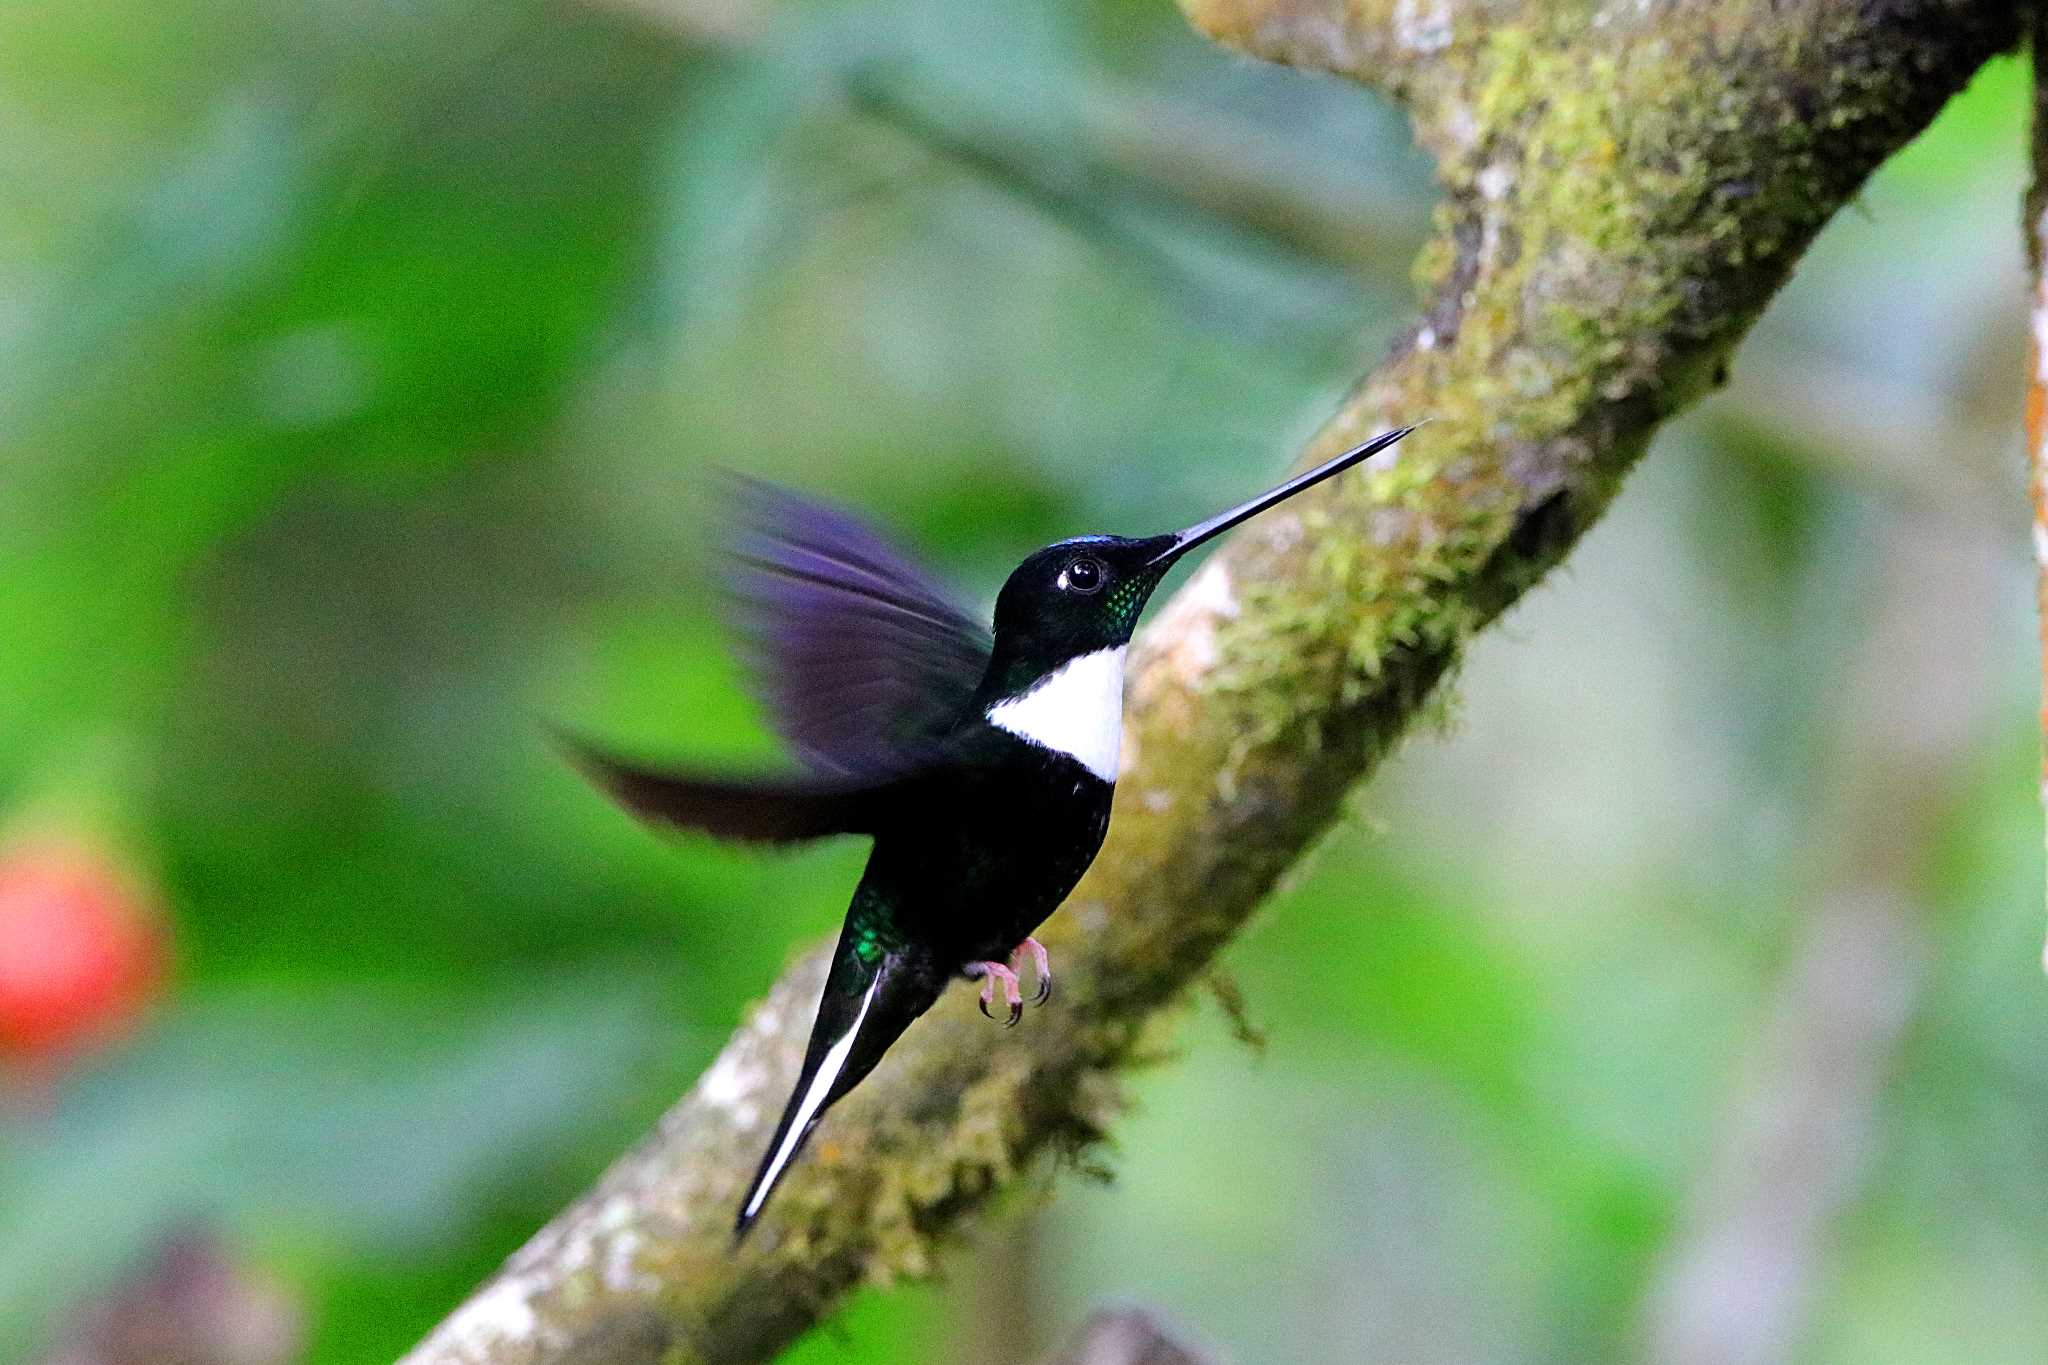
{"x": 1042, "y": 962}
{"x": 1013, "y": 995}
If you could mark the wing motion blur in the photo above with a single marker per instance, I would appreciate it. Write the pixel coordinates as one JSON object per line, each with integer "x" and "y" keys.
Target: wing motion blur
{"x": 769, "y": 810}
{"x": 862, "y": 661}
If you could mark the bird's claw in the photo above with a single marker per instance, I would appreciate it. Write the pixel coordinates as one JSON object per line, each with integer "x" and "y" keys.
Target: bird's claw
{"x": 1013, "y": 994}
{"x": 1042, "y": 963}
{"x": 1013, "y": 991}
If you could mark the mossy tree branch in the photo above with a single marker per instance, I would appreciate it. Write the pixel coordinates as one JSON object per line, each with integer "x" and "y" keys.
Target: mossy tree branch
{"x": 1626, "y": 184}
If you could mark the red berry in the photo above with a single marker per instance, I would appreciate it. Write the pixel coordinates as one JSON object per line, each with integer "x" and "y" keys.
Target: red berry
{"x": 81, "y": 951}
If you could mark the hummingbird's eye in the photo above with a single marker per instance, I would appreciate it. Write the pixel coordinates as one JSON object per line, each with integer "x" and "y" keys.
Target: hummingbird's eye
{"x": 1084, "y": 575}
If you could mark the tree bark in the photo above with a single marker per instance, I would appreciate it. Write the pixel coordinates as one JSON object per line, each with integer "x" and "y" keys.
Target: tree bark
{"x": 1625, "y": 185}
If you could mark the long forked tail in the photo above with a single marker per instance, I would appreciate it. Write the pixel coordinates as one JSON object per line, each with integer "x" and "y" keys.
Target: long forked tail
{"x": 863, "y": 1011}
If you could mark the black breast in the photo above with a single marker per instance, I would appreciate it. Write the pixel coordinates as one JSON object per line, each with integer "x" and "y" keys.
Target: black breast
{"x": 990, "y": 848}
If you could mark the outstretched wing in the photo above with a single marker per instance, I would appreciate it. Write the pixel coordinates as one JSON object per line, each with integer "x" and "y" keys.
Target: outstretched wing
{"x": 860, "y": 658}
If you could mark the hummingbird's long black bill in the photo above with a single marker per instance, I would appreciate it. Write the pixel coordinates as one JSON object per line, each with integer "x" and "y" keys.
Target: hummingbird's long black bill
{"x": 1223, "y": 521}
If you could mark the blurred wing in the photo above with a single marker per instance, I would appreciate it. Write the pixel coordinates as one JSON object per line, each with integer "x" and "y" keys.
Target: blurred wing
{"x": 774, "y": 810}
{"x": 860, "y": 658}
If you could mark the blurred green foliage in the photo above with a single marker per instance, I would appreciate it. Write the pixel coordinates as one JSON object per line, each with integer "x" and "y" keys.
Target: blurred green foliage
{"x": 361, "y": 366}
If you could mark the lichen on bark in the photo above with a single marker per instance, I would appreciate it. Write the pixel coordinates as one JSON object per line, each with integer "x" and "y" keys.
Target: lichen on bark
{"x": 1625, "y": 185}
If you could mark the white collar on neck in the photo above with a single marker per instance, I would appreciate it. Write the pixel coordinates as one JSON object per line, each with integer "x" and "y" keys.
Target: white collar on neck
{"x": 1077, "y": 709}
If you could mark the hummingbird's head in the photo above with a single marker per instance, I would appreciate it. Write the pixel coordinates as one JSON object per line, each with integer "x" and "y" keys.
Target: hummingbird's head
{"x": 1082, "y": 597}
{"x": 1079, "y": 596}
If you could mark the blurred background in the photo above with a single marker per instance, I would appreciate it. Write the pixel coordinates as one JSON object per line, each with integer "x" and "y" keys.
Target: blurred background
{"x": 362, "y": 368}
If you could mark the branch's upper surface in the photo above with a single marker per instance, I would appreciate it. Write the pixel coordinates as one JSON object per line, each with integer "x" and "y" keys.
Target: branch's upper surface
{"x": 1625, "y": 186}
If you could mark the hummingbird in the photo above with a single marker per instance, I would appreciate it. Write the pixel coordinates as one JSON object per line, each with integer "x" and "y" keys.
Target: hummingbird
{"x": 981, "y": 762}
